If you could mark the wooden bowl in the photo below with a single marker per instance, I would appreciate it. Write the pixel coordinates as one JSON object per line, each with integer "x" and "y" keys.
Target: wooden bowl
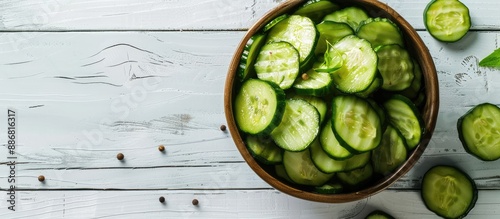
{"x": 414, "y": 45}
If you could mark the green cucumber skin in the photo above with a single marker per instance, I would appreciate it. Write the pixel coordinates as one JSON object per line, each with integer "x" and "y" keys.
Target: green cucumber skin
{"x": 378, "y": 214}
{"x": 474, "y": 187}
{"x": 246, "y": 68}
{"x": 461, "y": 135}
{"x": 415, "y": 111}
{"x": 280, "y": 109}
{"x": 430, "y": 32}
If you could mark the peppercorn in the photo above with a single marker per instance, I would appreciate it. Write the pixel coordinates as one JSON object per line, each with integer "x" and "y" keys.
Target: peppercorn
{"x": 305, "y": 76}
{"x": 120, "y": 156}
{"x": 195, "y": 201}
{"x": 223, "y": 128}
{"x": 162, "y": 199}
{"x": 161, "y": 148}
{"x": 41, "y": 178}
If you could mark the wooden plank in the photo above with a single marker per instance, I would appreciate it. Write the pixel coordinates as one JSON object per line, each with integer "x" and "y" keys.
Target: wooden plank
{"x": 52, "y": 15}
{"x": 94, "y": 95}
{"x": 222, "y": 204}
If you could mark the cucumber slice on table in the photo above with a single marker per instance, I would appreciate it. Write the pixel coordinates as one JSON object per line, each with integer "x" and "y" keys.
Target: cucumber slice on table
{"x": 301, "y": 170}
{"x": 317, "y": 9}
{"x": 396, "y": 67}
{"x": 299, "y": 126}
{"x": 447, "y": 20}
{"x": 378, "y": 214}
{"x": 479, "y": 131}
{"x": 356, "y": 124}
{"x": 278, "y": 63}
{"x": 246, "y": 68}
{"x": 379, "y": 32}
{"x": 299, "y": 31}
{"x": 264, "y": 149}
{"x": 352, "y": 16}
{"x": 448, "y": 192}
{"x": 359, "y": 64}
{"x": 405, "y": 117}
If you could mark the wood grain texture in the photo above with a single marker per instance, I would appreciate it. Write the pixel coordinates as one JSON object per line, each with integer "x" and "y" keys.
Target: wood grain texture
{"x": 67, "y": 15}
{"x": 105, "y": 93}
{"x": 224, "y": 204}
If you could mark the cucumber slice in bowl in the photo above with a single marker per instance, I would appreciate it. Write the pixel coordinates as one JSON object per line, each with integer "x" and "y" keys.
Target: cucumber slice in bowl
{"x": 278, "y": 63}
{"x": 405, "y": 117}
{"x": 246, "y": 69}
{"x": 448, "y": 191}
{"x": 301, "y": 170}
{"x": 264, "y": 149}
{"x": 299, "y": 126}
{"x": 259, "y": 106}
{"x": 447, "y": 20}
{"x": 479, "y": 131}
{"x": 356, "y": 124}
{"x": 317, "y": 9}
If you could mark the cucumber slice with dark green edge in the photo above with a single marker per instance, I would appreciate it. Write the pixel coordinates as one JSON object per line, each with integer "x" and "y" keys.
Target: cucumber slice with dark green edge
{"x": 301, "y": 170}
{"x": 447, "y": 20}
{"x": 275, "y": 21}
{"x": 380, "y": 112}
{"x": 356, "y": 124}
{"x": 331, "y": 32}
{"x": 329, "y": 188}
{"x": 299, "y": 126}
{"x": 405, "y": 117}
{"x": 391, "y": 153}
{"x": 352, "y": 16}
{"x": 313, "y": 83}
{"x": 264, "y": 149}
{"x": 317, "y": 9}
{"x": 331, "y": 145}
{"x": 280, "y": 171}
{"x": 448, "y": 192}
{"x": 378, "y": 214}
{"x": 328, "y": 165}
{"x": 299, "y": 31}
{"x": 359, "y": 64}
{"x": 416, "y": 85}
{"x": 356, "y": 178}
{"x": 376, "y": 84}
{"x": 380, "y": 31}
{"x": 317, "y": 102}
{"x": 259, "y": 106}
{"x": 246, "y": 68}
{"x": 278, "y": 63}
{"x": 396, "y": 67}
{"x": 479, "y": 131}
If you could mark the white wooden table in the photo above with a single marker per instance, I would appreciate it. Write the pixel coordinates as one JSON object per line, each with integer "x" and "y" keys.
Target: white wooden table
{"x": 90, "y": 79}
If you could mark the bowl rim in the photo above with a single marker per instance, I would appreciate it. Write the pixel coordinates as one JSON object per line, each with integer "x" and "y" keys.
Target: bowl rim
{"x": 429, "y": 112}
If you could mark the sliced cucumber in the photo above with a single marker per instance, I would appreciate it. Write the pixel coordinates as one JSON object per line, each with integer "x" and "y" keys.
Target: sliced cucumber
{"x": 359, "y": 64}
{"x": 275, "y": 21}
{"x": 299, "y": 31}
{"x": 447, "y": 20}
{"x": 301, "y": 170}
{"x": 391, "y": 153}
{"x": 405, "y": 117}
{"x": 331, "y": 32}
{"x": 356, "y": 124}
{"x": 479, "y": 131}
{"x": 331, "y": 145}
{"x": 278, "y": 63}
{"x": 396, "y": 67}
{"x": 317, "y": 9}
{"x": 380, "y": 31}
{"x": 331, "y": 62}
{"x": 352, "y": 16}
{"x": 246, "y": 68}
{"x": 280, "y": 171}
{"x": 313, "y": 83}
{"x": 264, "y": 149}
{"x": 413, "y": 91}
{"x": 317, "y": 102}
{"x": 378, "y": 214}
{"x": 328, "y": 165}
{"x": 448, "y": 192}
{"x": 356, "y": 178}
{"x": 376, "y": 84}
{"x": 299, "y": 126}
{"x": 259, "y": 106}
{"x": 329, "y": 188}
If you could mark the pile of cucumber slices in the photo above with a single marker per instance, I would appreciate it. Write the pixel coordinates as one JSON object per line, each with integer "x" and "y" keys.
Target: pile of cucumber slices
{"x": 329, "y": 97}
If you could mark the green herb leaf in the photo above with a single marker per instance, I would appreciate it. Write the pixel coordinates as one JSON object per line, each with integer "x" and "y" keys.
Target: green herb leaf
{"x": 492, "y": 60}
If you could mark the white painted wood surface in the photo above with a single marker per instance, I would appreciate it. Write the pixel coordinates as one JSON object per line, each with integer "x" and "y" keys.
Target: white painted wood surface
{"x": 83, "y": 95}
